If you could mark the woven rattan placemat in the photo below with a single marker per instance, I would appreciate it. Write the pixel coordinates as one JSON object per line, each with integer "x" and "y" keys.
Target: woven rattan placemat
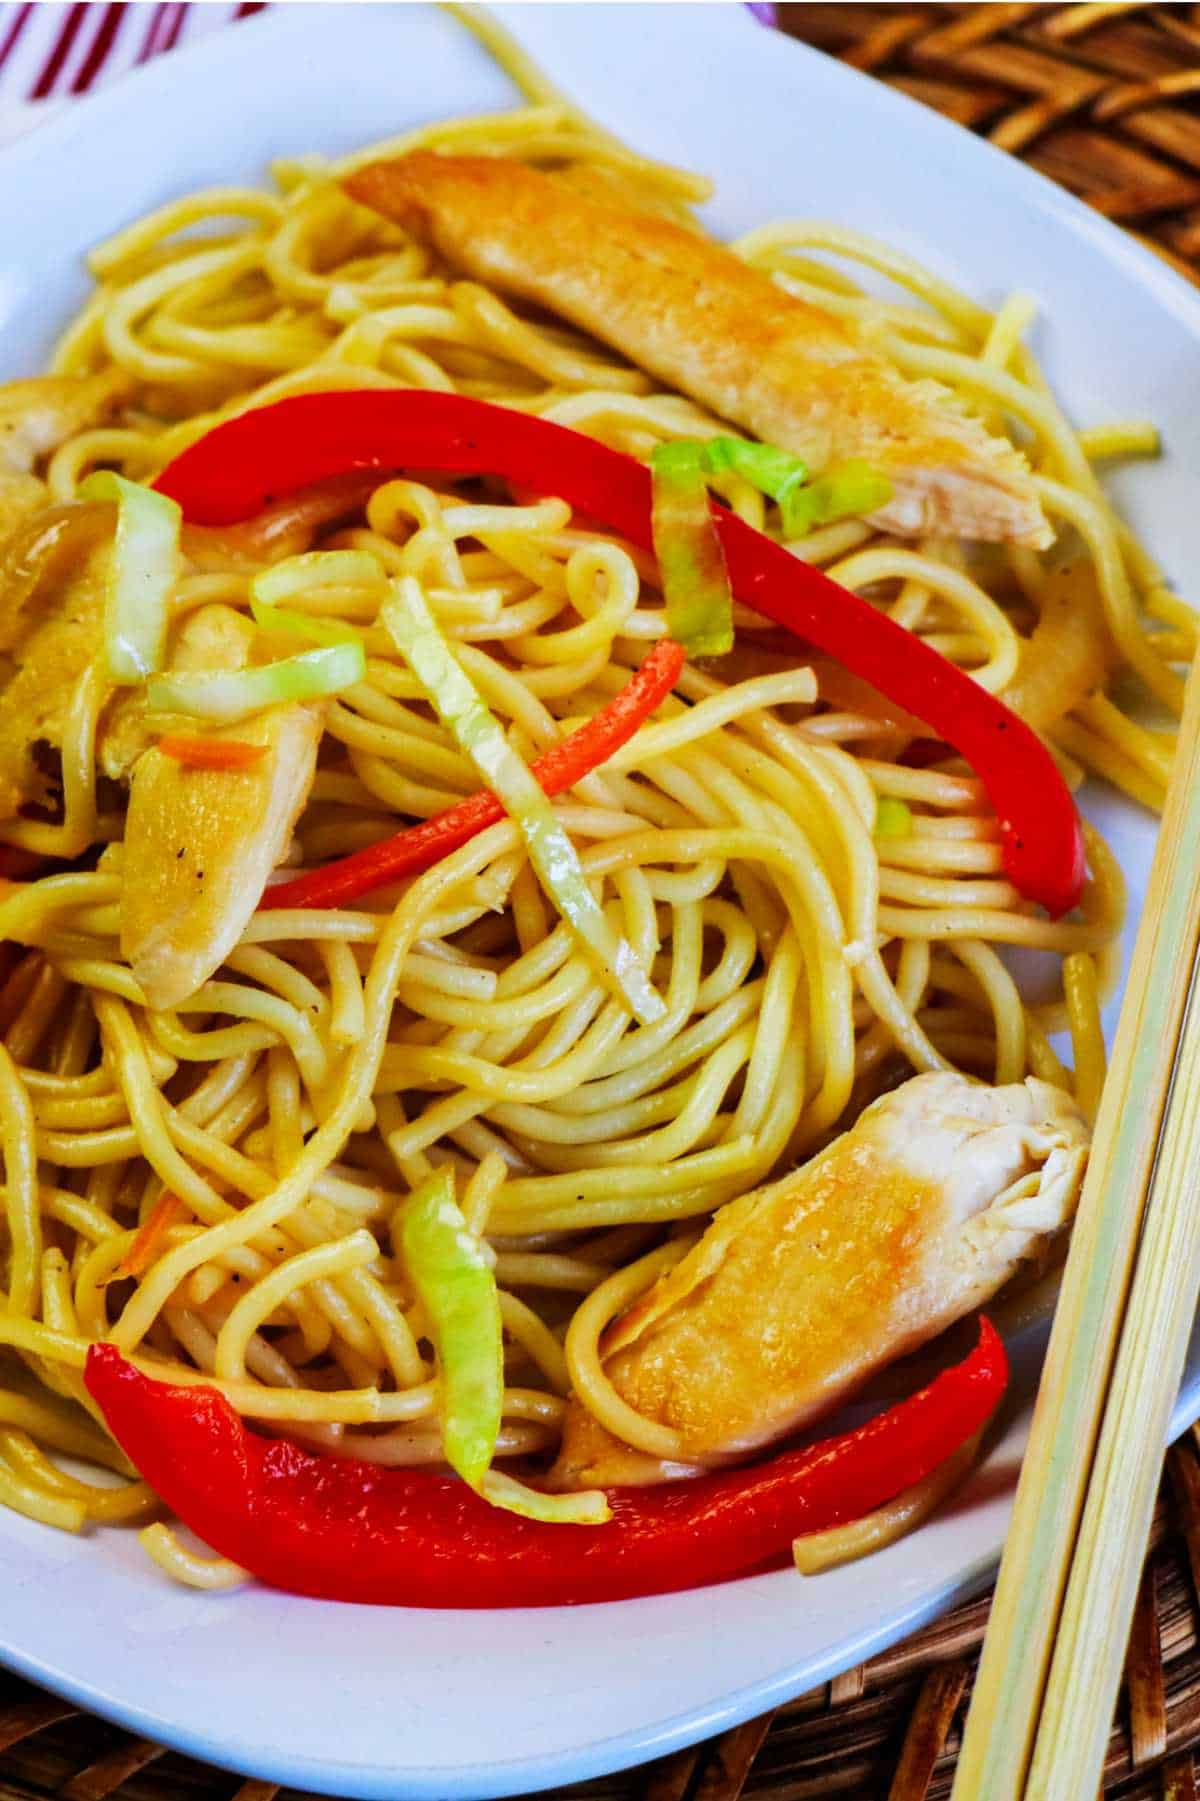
{"x": 1106, "y": 100}
{"x": 1102, "y": 98}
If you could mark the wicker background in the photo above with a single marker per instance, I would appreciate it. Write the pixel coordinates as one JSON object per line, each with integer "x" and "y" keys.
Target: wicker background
{"x": 1102, "y": 98}
{"x": 1106, "y": 100}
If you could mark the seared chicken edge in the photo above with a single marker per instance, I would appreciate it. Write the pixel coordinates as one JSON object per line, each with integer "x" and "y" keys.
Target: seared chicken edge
{"x": 799, "y": 1292}
{"x": 695, "y": 316}
{"x": 201, "y": 843}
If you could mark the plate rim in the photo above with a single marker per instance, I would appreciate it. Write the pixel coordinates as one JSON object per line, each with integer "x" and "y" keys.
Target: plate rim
{"x": 1158, "y": 282}
{"x": 518, "y": 1775}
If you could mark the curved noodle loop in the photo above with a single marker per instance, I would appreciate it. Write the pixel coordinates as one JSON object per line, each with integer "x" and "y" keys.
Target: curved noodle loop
{"x": 336, "y": 1057}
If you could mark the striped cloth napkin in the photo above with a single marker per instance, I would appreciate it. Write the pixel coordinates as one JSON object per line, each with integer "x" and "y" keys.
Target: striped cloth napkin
{"x": 51, "y": 53}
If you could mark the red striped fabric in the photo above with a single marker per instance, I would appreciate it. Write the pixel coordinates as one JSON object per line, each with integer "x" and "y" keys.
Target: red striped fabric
{"x": 16, "y": 26}
{"x": 49, "y": 53}
{"x": 52, "y": 68}
{"x": 179, "y": 13}
{"x": 158, "y": 14}
{"x": 101, "y": 48}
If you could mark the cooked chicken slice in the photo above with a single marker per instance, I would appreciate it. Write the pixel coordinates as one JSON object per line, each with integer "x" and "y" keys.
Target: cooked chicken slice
{"x": 35, "y": 702}
{"x": 52, "y": 577}
{"x": 799, "y": 1292}
{"x": 694, "y": 315}
{"x": 212, "y": 638}
{"x": 36, "y": 416}
{"x": 202, "y": 842}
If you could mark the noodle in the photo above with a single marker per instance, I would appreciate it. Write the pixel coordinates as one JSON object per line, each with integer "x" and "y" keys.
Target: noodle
{"x": 191, "y": 1568}
{"x": 844, "y": 1544}
{"x": 339, "y": 1056}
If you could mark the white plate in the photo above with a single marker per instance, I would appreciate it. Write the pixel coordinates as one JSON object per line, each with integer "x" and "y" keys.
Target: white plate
{"x": 370, "y": 1702}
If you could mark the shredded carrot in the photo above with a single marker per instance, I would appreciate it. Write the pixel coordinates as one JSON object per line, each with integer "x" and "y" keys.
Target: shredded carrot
{"x": 211, "y": 753}
{"x": 144, "y": 1249}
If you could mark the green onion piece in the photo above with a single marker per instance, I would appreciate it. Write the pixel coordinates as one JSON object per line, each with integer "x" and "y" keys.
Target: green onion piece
{"x": 145, "y": 564}
{"x": 232, "y": 694}
{"x": 589, "y": 1507}
{"x": 850, "y": 489}
{"x": 691, "y": 564}
{"x": 892, "y": 818}
{"x": 301, "y": 625}
{"x": 775, "y": 473}
{"x": 418, "y": 636}
{"x": 317, "y": 569}
{"x": 454, "y": 1283}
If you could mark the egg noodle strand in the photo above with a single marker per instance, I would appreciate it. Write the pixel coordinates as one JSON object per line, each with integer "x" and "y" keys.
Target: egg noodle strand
{"x": 338, "y": 1056}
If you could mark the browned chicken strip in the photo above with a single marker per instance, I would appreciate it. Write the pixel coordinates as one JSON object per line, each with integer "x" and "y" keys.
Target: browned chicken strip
{"x": 53, "y": 564}
{"x": 42, "y": 669}
{"x": 798, "y": 1293}
{"x": 695, "y": 316}
{"x": 201, "y": 843}
{"x": 38, "y": 415}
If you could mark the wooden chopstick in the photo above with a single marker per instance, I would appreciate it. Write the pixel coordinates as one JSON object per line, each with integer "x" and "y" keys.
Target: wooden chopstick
{"x": 1095, "y": 1302}
{"x": 1093, "y": 1627}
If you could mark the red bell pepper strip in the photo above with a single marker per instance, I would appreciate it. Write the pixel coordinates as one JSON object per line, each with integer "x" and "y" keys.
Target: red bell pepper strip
{"x": 418, "y": 847}
{"x": 345, "y": 1530}
{"x": 242, "y": 466}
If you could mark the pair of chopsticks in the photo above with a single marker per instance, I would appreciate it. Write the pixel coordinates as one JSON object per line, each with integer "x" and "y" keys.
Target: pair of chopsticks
{"x": 1052, "y": 1660}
